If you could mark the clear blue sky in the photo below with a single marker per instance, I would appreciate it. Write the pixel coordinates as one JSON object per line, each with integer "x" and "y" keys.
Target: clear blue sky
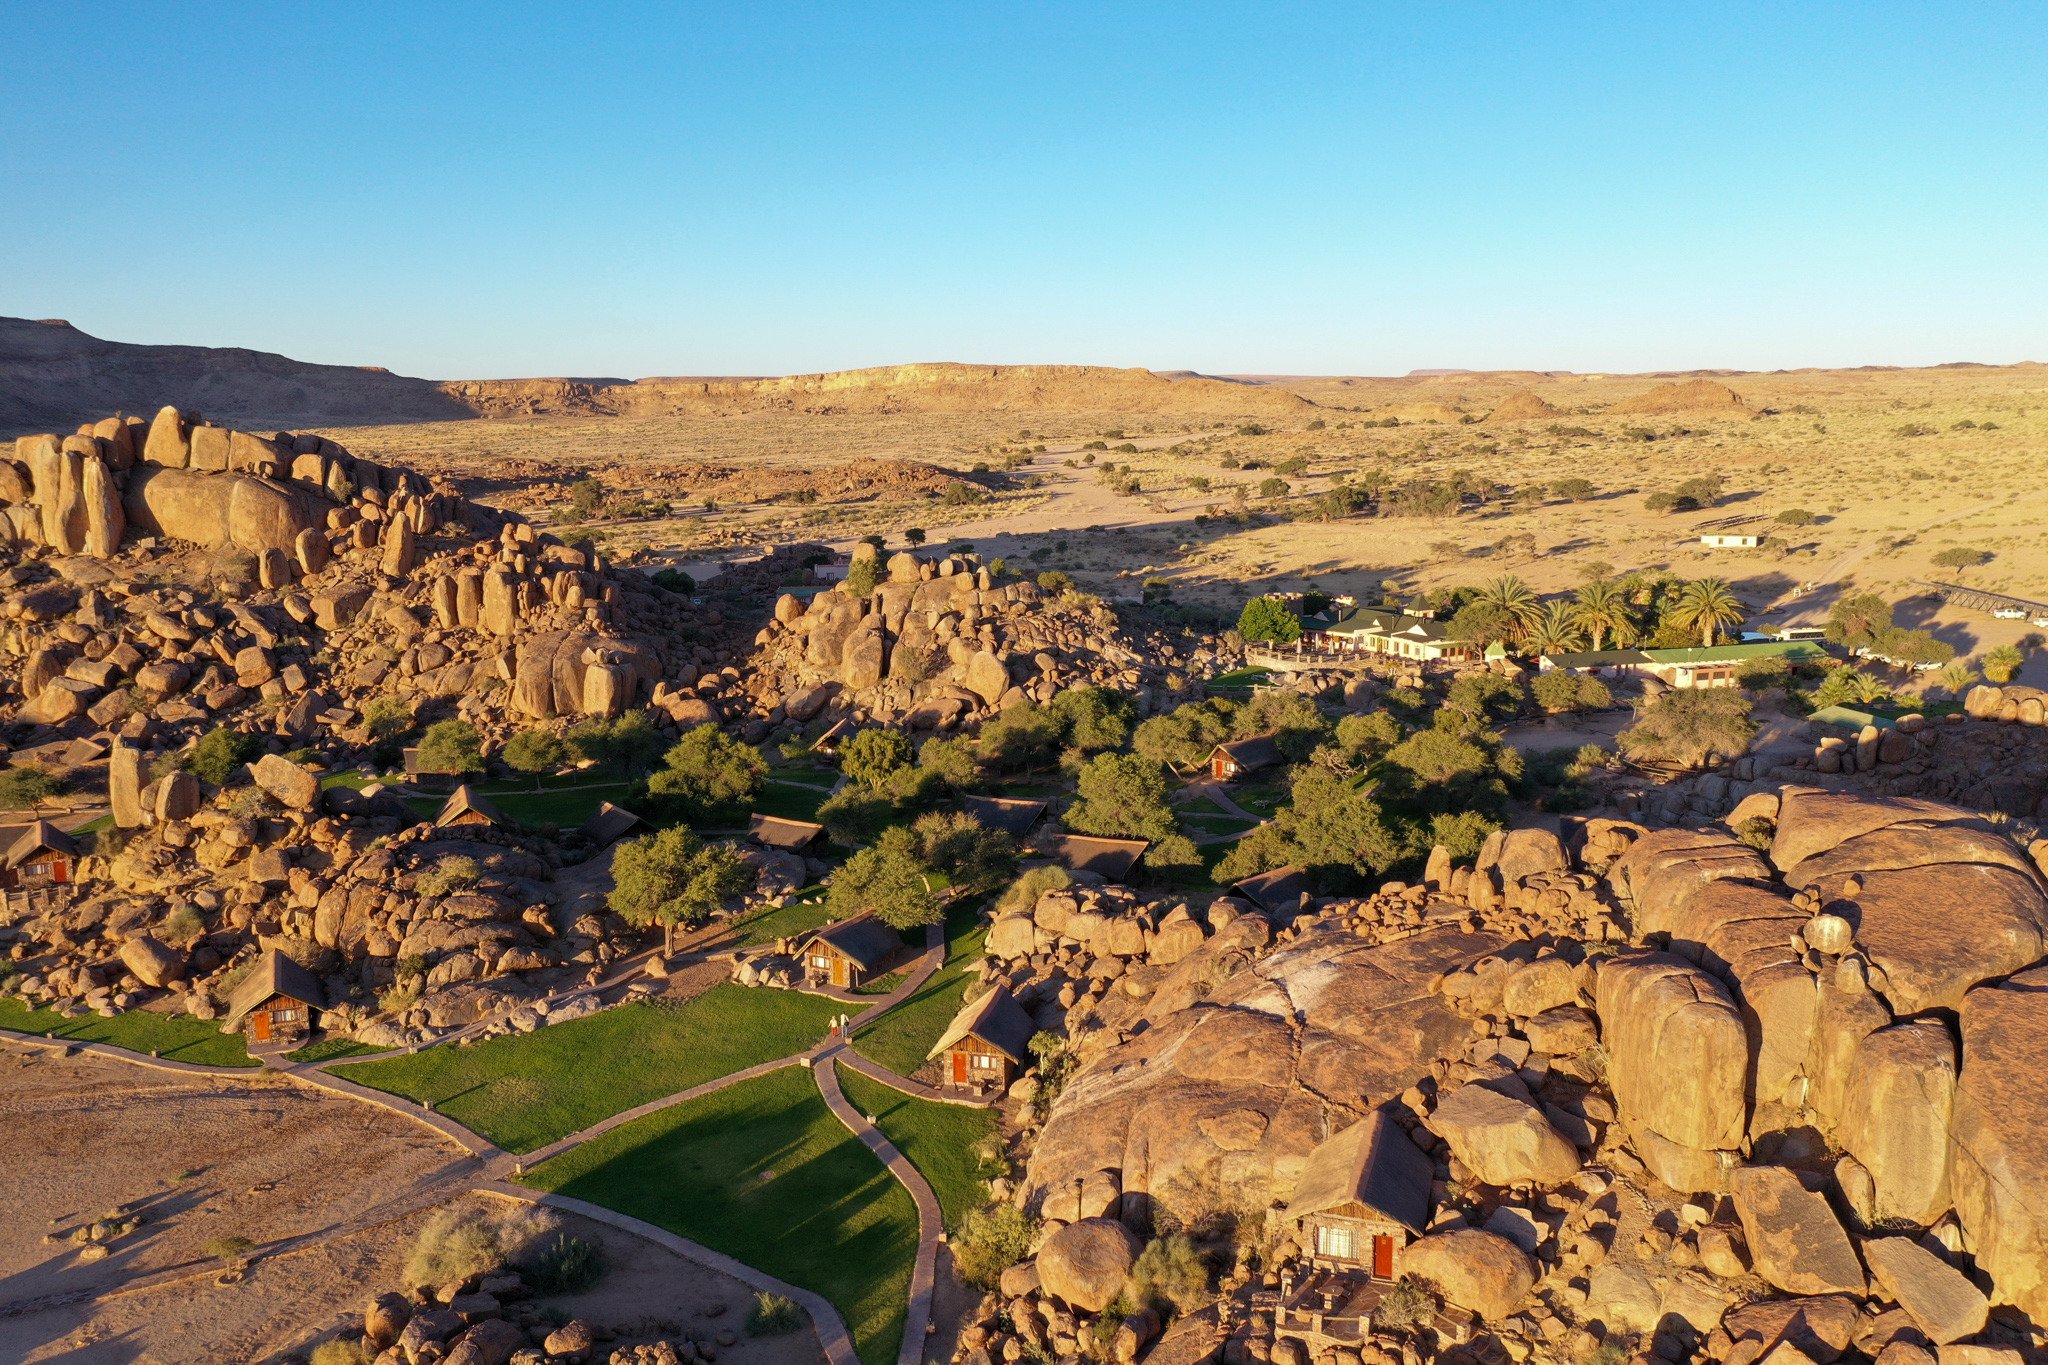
{"x": 513, "y": 189}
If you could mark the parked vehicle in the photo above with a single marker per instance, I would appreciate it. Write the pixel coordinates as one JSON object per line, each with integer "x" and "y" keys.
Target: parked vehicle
{"x": 2010, "y": 613}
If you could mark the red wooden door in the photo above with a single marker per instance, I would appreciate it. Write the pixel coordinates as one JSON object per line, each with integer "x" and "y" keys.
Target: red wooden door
{"x": 1383, "y": 1258}
{"x": 261, "y": 1029}
{"x": 959, "y": 1067}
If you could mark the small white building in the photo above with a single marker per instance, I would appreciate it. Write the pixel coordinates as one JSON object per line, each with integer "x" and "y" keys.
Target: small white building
{"x": 1731, "y": 542}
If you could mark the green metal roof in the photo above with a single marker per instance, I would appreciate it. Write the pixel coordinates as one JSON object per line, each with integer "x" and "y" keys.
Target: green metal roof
{"x": 1793, "y": 650}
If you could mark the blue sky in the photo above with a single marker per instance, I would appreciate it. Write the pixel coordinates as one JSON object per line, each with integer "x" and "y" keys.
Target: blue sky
{"x": 472, "y": 191}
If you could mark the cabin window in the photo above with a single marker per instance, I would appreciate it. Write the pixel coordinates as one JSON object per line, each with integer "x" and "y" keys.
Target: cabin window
{"x": 1336, "y": 1242}
{"x": 285, "y": 1016}
{"x": 820, "y": 963}
{"x": 982, "y": 1061}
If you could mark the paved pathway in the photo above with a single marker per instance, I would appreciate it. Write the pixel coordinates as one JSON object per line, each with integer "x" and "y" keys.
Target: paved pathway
{"x": 917, "y": 1322}
{"x": 875, "y": 1071}
{"x": 831, "y": 1328}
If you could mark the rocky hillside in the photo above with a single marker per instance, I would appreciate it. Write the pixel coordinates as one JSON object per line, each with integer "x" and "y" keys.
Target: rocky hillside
{"x": 1678, "y": 1088}
{"x": 50, "y": 371}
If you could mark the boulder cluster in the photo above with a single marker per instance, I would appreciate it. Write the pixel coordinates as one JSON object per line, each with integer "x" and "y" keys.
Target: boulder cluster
{"x": 1688, "y": 1093}
{"x": 941, "y": 642}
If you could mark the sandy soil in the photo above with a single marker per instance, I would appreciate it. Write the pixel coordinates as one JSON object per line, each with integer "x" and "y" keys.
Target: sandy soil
{"x": 262, "y": 1159}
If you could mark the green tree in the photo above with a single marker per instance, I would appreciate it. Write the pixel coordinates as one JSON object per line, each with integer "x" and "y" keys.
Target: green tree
{"x": 1857, "y": 620}
{"x": 1296, "y": 723}
{"x": 1961, "y": 558}
{"x": 1556, "y": 631}
{"x": 1025, "y": 735}
{"x": 535, "y": 752}
{"x": 887, "y": 879}
{"x": 1707, "y": 607}
{"x": 963, "y": 850}
{"x": 1461, "y": 832}
{"x": 451, "y": 746}
{"x": 1096, "y": 718}
{"x": 1272, "y": 488}
{"x": 1122, "y": 796}
{"x": 1510, "y": 596}
{"x": 708, "y": 776}
{"x": 914, "y": 535}
{"x": 864, "y": 577}
{"x": 873, "y": 755}
{"x": 672, "y": 877}
{"x": 1267, "y": 620}
{"x": 950, "y": 763}
{"x": 1601, "y": 610}
{"x": 586, "y": 495}
{"x": 2002, "y": 664}
{"x": 221, "y": 751}
{"x": 1361, "y": 741}
{"x": 26, "y": 788}
{"x": 387, "y": 718}
{"x": 1185, "y": 736}
{"x": 1556, "y": 691}
{"x": 1689, "y": 725}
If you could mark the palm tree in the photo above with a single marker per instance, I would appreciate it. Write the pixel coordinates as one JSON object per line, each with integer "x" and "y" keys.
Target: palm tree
{"x": 1706, "y": 605}
{"x": 1957, "y": 677}
{"x": 1511, "y": 596}
{"x": 1600, "y": 608}
{"x": 1556, "y": 631}
{"x": 1870, "y": 690}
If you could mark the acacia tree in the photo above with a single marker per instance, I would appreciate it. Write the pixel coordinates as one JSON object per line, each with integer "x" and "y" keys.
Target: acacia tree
{"x": 1267, "y": 619}
{"x": 872, "y": 756}
{"x": 1122, "y": 796}
{"x": 535, "y": 752}
{"x": 672, "y": 877}
{"x": 709, "y": 775}
{"x": 888, "y": 879}
{"x": 1962, "y": 557}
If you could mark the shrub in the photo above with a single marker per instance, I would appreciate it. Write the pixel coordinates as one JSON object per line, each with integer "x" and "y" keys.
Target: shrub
{"x": 562, "y": 1265}
{"x": 773, "y": 1315}
{"x": 989, "y": 1241}
{"x": 1170, "y": 1275}
{"x": 864, "y": 577}
{"x": 228, "y": 1248}
{"x": 464, "y": 1242}
{"x": 1025, "y": 891}
{"x": 181, "y": 926}
{"x": 875, "y": 753}
{"x": 451, "y": 746}
{"x": 448, "y": 876}
{"x": 26, "y": 788}
{"x": 1268, "y": 619}
{"x": 387, "y": 718}
{"x": 218, "y": 754}
{"x": 340, "y": 1351}
{"x": 1408, "y": 1304}
{"x": 1758, "y": 831}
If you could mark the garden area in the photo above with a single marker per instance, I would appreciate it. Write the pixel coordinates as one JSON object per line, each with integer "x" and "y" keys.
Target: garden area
{"x": 175, "y": 1037}
{"x": 762, "y": 1172}
{"x": 900, "y": 1039}
{"x": 526, "y": 1090}
{"x": 944, "y": 1141}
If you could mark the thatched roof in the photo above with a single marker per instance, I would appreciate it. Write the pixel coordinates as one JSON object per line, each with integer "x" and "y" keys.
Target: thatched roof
{"x": 1109, "y": 859}
{"x": 1276, "y": 892}
{"x": 1012, "y": 815}
{"x": 274, "y": 974}
{"x": 609, "y": 823}
{"x": 37, "y": 837}
{"x": 863, "y": 940}
{"x": 465, "y": 799}
{"x": 1372, "y": 1163}
{"x": 1251, "y": 753}
{"x": 995, "y": 1019}
{"x": 776, "y": 832}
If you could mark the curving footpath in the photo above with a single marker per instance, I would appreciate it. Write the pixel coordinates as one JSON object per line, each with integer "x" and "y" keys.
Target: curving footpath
{"x": 493, "y": 1164}
{"x": 917, "y": 1320}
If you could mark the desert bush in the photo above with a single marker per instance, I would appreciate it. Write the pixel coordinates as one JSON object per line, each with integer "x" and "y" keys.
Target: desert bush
{"x": 464, "y": 1242}
{"x": 561, "y": 1265}
{"x": 26, "y": 788}
{"x": 387, "y": 718}
{"x": 1170, "y": 1275}
{"x": 228, "y": 1247}
{"x": 448, "y": 876}
{"x": 182, "y": 925}
{"x": 1025, "y": 891}
{"x": 773, "y": 1315}
{"x": 989, "y": 1241}
{"x": 340, "y": 1351}
{"x": 218, "y": 754}
{"x": 1758, "y": 831}
{"x": 1408, "y": 1304}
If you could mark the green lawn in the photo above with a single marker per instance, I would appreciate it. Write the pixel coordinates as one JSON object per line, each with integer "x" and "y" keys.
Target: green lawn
{"x": 763, "y": 1172}
{"x": 1261, "y": 798}
{"x": 900, "y": 1039}
{"x": 1214, "y": 824}
{"x": 558, "y": 803}
{"x": 523, "y": 1091}
{"x": 178, "y": 1037}
{"x": 939, "y": 1139}
{"x": 790, "y": 800}
{"x": 798, "y": 917}
{"x": 328, "y": 1049}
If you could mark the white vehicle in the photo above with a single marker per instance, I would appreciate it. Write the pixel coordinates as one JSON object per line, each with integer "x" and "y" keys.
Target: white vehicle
{"x": 2039, "y": 621}
{"x": 2010, "y": 613}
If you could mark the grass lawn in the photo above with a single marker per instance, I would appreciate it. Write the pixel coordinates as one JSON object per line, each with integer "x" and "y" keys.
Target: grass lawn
{"x": 178, "y": 1037}
{"x": 328, "y": 1049}
{"x": 523, "y": 1091}
{"x": 790, "y": 800}
{"x": 1260, "y": 798}
{"x": 799, "y": 916}
{"x": 900, "y": 1039}
{"x": 1239, "y": 680}
{"x": 561, "y": 802}
{"x": 764, "y": 1173}
{"x": 939, "y": 1139}
{"x": 1214, "y": 824}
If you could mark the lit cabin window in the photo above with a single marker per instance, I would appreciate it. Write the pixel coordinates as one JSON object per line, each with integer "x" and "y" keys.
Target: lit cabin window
{"x": 1334, "y": 1242}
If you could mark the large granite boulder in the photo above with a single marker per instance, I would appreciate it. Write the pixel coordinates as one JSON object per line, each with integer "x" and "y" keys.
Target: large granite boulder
{"x": 1228, "y": 1086}
{"x": 1795, "y": 1241}
{"x": 1939, "y": 1298}
{"x": 1476, "y": 1270}
{"x": 1678, "y": 1063}
{"x": 1898, "y": 1103}
{"x": 1998, "y": 1162}
{"x": 221, "y": 511}
{"x": 1503, "y": 1139}
{"x": 1085, "y": 1264}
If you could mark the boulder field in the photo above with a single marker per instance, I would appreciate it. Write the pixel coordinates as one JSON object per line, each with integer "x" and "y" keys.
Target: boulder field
{"x": 1818, "y": 1049}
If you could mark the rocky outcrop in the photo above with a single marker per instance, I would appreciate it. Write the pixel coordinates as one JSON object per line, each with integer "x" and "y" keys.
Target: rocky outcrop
{"x": 1678, "y": 1060}
{"x": 1998, "y": 1161}
{"x": 1085, "y": 1264}
{"x": 1476, "y": 1270}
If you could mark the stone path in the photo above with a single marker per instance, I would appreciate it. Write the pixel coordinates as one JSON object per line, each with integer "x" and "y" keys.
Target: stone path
{"x": 488, "y": 1165}
{"x": 931, "y": 1224}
